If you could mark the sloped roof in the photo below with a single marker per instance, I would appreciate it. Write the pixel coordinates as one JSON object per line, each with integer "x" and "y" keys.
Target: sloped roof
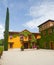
{"x": 25, "y": 30}
{"x": 46, "y": 22}
{"x": 11, "y": 33}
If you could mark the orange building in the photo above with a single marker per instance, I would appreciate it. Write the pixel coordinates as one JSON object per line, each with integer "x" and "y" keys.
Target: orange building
{"x": 17, "y": 39}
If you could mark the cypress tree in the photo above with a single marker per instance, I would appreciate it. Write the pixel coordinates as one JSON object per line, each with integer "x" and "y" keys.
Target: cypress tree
{"x": 6, "y": 33}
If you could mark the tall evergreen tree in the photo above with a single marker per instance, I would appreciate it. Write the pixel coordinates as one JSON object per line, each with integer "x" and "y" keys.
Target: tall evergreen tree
{"x": 6, "y": 33}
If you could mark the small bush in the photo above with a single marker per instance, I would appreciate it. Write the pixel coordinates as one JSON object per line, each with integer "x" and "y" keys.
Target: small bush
{"x": 1, "y": 48}
{"x": 1, "y": 51}
{"x": 30, "y": 45}
{"x": 22, "y": 48}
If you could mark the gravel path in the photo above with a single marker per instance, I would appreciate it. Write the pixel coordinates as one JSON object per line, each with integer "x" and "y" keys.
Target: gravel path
{"x": 27, "y": 57}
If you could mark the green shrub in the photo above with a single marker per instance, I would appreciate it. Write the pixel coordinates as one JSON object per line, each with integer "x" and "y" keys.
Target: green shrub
{"x": 1, "y": 51}
{"x": 30, "y": 45}
{"x": 22, "y": 48}
{"x": 1, "y": 48}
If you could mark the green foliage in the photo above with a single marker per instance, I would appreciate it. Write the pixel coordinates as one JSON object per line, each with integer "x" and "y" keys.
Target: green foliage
{"x": 52, "y": 36}
{"x": 6, "y": 31}
{"x": 46, "y": 39}
{"x": 41, "y": 43}
{"x": 15, "y": 35}
{"x": 30, "y": 45}
{"x": 25, "y": 33}
{"x": 0, "y": 42}
{"x": 22, "y": 47}
{"x": 33, "y": 39}
{"x": 1, "y": 48}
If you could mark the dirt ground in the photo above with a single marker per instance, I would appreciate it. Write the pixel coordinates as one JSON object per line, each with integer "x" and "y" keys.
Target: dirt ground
{"x": 27, "y": 57}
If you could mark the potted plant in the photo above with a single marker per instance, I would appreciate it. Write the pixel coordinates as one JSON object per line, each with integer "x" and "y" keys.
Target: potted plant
{"x": 22, "y": 48}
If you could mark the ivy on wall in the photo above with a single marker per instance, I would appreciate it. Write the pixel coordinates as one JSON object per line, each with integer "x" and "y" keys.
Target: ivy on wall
{"x": 47, "y": 38}
{"x": 15, "y": 35}
{"x": 33, "y": 39}
{"x": 25, "y": 33}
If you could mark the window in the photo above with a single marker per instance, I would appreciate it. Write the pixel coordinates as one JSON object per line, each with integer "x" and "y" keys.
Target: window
{"x": 51, "y": 24}
{"x": 50, "y": 31}
{"x": 21, "y": 37}
{"x": 11, "y": 36}
{"x": 29, "y": 37}
{"x": 44, "y": 33}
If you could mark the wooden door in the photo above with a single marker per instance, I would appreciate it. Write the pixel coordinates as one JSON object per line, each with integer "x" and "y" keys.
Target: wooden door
{"x": 25, "y": 45}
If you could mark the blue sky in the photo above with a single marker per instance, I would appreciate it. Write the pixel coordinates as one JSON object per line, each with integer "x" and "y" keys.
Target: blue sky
{"x": 25, "y": 14}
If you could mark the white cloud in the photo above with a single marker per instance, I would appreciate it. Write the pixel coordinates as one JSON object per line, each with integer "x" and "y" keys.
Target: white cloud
{"x": 1, "y": 31}
{"x": 42, "y": 10}
{"x": 11, "y": 30}
{"x": 31, "y": 24}
{"x": 40, "y": 14}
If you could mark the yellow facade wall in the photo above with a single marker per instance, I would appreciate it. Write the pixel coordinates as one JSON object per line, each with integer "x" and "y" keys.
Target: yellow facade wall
{"x": 16, "y": 42}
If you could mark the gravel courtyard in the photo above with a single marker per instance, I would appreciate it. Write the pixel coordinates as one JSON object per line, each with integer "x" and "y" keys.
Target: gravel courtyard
{"x": 27, "y": 57}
